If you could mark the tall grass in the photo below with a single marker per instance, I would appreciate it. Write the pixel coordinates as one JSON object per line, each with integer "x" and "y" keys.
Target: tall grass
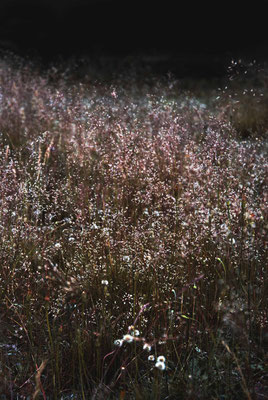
{"x": 133, "y": 224}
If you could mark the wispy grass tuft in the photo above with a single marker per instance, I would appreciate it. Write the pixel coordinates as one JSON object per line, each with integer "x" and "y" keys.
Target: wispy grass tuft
{"x": 133, "y": 223}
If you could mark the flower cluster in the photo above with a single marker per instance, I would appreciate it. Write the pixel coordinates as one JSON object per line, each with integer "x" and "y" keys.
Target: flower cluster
{"x": 134, "y": 336}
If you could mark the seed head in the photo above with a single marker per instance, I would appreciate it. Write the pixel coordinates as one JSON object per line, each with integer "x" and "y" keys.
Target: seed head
{"x": 161, "y": 359}
{"x": 131, "y": 328}
{"x": 128, "y": 338}
{"x": 160, "y": 365}
{"x": 118, "y": 342}
{"x": 147, "y": 347}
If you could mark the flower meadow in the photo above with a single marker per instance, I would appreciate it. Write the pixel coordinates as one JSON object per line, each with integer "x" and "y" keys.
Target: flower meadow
{"x": 133, "y": 224}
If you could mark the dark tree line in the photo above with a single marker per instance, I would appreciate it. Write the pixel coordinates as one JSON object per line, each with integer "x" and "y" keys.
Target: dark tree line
{"x": 121, "y": 27}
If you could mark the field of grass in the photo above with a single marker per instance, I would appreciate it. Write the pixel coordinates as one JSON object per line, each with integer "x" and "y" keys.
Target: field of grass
{"x": 133, "y": 225}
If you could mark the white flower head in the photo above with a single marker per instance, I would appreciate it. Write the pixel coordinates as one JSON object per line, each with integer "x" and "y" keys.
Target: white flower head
{"x": 147, "y": 347}
{"x": 131, "y": 328}
{"x": 160, "y": 365}
{"x": 151, "y": 358}
{"x": 128, "y": 338}
{"x": 136, "y": 332}
{"x": 105, "y": 282}
{"x": 118, "y": 342}
{"x": 161, "y": 359}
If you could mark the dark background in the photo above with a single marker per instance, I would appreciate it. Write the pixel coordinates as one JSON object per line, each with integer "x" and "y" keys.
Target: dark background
{"x": 174, "y": 30}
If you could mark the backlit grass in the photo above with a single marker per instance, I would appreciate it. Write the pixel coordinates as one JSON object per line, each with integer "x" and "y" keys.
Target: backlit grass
{"x": 133, "y": 223}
